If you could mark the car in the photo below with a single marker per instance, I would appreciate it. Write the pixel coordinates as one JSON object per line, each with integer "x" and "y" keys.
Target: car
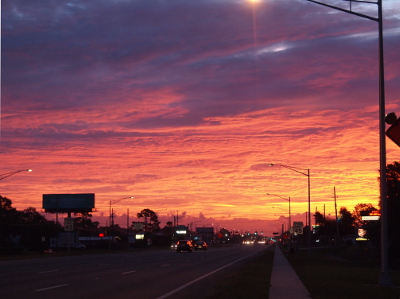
{"x": 184, "y": 245}
{"x": 200, "y": 245}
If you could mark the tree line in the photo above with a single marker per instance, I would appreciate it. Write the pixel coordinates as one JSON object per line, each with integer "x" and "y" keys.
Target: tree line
{"x": 30, "y": 229}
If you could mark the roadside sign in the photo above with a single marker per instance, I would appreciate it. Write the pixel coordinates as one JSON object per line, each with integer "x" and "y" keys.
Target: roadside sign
{"x": 138, "y": 225}
{"x": 370, "y": 217}
{"x": 394, "y": 132}
{"x": 298, "y": 228}
{"x": 68, "y": 224}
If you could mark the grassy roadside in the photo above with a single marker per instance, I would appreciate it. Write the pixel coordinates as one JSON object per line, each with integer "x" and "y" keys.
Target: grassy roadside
{"x": 326, "y": 275}
{"x": 252, "y": 280}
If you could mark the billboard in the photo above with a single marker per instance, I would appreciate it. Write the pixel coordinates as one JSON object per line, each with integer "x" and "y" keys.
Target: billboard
{"x": 138, "y": 225}
{"x": 60, "y": 203}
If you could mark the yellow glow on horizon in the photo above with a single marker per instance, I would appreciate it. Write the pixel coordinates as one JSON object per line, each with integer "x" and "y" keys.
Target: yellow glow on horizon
{"x": 220, "y": 172}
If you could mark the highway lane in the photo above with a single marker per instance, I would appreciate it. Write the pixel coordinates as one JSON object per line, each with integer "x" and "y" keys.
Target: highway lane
{"x": 142, "y": 274}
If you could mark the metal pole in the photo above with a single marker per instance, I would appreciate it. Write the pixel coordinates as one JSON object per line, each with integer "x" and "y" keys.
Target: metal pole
{"x": 336, "y": 217}
{"x": 309, "y": 213}
{"x": 127, "y": 220}
{"x": 384, "y": 278}
{"x": 290, "y": 217}
{"x": 109, "y": 229}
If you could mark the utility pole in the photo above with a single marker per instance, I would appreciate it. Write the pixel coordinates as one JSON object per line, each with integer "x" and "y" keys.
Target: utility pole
{"x": 336, "y": 217}
{"x": 127, "y": 224}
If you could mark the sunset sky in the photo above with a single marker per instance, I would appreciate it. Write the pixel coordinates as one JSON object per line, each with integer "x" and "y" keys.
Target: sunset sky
{"x": 183, "y": 104}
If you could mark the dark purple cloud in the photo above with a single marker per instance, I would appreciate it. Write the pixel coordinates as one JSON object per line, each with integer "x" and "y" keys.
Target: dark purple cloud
{"x": 86, "y": 54}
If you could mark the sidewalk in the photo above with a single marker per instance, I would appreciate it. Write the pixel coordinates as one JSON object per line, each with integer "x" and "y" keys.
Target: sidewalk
{"x": 284, "y": 281}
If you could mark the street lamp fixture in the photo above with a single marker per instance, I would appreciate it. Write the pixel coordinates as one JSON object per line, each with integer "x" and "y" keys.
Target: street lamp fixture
{"x": 6, "y": 175}
{"x": 111, "y": 212}
{"x": 290, "y": 214}
{"x": 111, "y": 221}
{"x": 305, "y": 172}
{"x": 384, "y": 279}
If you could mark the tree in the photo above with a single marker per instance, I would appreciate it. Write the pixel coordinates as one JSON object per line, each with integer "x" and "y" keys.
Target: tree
{"x": 30, "y": 215}
{"x": 151, "y": 223}
{"x": 27, "y": 228}
{"x": 84, "y": 223}
{"x": 168, "y": 229}
{"x": 393, "y": 207}
{"x": 326, "y": 230}
{"x": 362, "y": 209}
{"x": 5, "y": 204}
{"x": 346, "y": 222}
{"x": 319, "y": 218}
{"x": 35, "y": 229}
{"x": 8, "y": 216}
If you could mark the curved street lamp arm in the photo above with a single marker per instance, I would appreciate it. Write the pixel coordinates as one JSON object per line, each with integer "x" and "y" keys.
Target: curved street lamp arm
{"x": 349, "y": 11}
{"x": 298, "y": 170}
{"x": 6, "y": 175}
{"x": 118, "y": 200}
{"x": 287, "y": 199}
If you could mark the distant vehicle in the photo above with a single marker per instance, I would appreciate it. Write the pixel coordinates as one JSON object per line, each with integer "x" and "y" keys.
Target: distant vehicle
{"x": 248, "y": 242}
{"x": 200, "y": 245}
{"x": 184, "y": 245}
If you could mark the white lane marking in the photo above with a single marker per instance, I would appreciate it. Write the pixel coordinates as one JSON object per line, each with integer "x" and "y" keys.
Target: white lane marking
{"x": 49, "y": 271}
{"x": 128, "y": 272}
{"x": 49, "y": 288}
{"x": 204, "y": 276}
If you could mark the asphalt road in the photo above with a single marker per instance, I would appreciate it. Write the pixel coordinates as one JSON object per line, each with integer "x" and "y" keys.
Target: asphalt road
{"x": 153, "y": 274}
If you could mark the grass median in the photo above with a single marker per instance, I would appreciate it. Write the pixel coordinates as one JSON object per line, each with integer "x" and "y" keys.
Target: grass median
{"x": 334, "y": 273}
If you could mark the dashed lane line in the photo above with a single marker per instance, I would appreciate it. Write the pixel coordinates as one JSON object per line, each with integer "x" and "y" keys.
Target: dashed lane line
{"x": 50, "y": 288}
{"x": 123, "y": 273}
{"x": 204, "y": 276}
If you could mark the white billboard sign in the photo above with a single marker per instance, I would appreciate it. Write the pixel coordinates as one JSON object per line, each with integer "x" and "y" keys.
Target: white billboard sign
{"x": 370, "y": 217}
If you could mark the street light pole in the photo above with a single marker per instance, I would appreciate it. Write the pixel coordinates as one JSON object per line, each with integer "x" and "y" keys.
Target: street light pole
{"x": 290, "y": 214}
{"x": 384, "y": 278}
{"x": 111, "y": 221}
{"x": 307, "y": 174}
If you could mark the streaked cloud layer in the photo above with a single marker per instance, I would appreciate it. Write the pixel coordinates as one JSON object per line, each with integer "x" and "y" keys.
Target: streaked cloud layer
{"x": 183, "y": 104}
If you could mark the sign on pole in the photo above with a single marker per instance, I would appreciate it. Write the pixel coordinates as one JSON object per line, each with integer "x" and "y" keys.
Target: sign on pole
{"x": 138, "y": 225}
{"x": 394, "y": 132}
{"x": 368, "y": 218}
{"x": 68, "y": 224}
{"x": 298, "y": 228}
